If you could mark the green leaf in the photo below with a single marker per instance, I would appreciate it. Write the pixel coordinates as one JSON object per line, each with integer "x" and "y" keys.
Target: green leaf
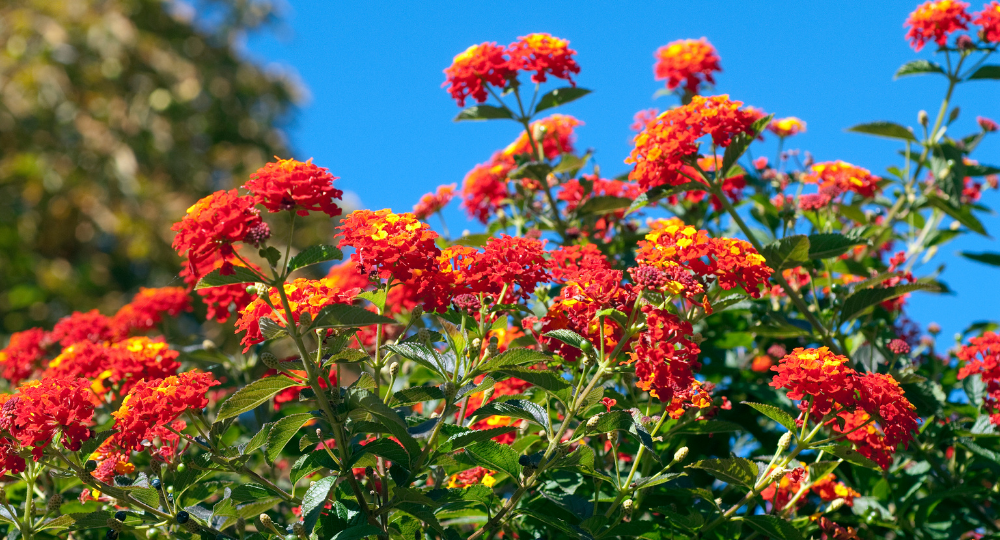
{"x": 253, "y": 394}
{"x": 496, "y": 456}
{"x": 60, "y": 522}
{"x": 570, "y": 338}
{"x": 541, "y": 378}
{"x": 560, "y": 96}
{"x": 385, "y": 448}
{"x": 375, "y": 297}
{"x": 343, "y": 315}
{"x": 820, "y": 469}
{"x": 532, "y": 169}
{"x": 732, "y": 470}
{"x": 313, "y": 255}
{"x": 918, "y": 67}
{"x": 270, "y": 254}
{"x": 773, "y": 526}
{"x": 859, "y": 301}
{"x": 462, "y": 440}
{"x": 357, "y": 532}
{"x": 986, "y": 72}
{"x": 709, "y": 426}
{"x": 241, "y": 274}
{"x": 271, "y": 329}
{"x": 420, "y": 354}
{"x": 515, "y": 408}
{"x": 94, "y": 442}
{"x": 826, "y": 246}
{"x": 282, "y": 432}
{"x": 603, "y": 204}
{"x": 992, "y": 259}
{"x": 739, "y": 144}
{"x": 962, "y": 215}
{"x": 484, "y": 112}
{"x": 788, "y": 252}
{"x": 660, "y": 192}
{"x": 314, "y": 500}
{"x": 645, "y": 483}
{"x": 885, "y": 129}
{"x": 849, "y": 455}
{"x": 511, "y": 357}
{"x": 611, "y": 421}
{"x": 775, "y": 414}
{"x": 981, "y": 170}
{"x": 390, "y": 420}
{"x": 417, "y": 394}
{"x": 249, "y": 492}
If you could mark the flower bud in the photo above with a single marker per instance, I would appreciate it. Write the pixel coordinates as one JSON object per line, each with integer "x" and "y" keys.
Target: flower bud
{"x": 394, "y": 369}
{"x": 835, "y": 505}
{"x": 265, "y": 520}
{"x": 305, "y": 319}
{"x": 922, "y": 118}
{"x": 477, "y": 343}
{"x": 269, "y": 360}
{"x": 681, "y": 453}
{"x": 785, "y": 441}
{"x": 52, "y": 505}
{"x": 114, "y": 525}
{"x": 776, "y": 474}
{"x": 423, "y": 335}
{"x": 493, "y": 347}
{"x": 584, "y": 361}
{"x": 627, "y": 506}
{"x": 449, "y": 389}
{"x": 208, "y": 345}
{"x": 592, "y": 423}
{"x": 417, "y": 312}
{"x": 488, "y": 395}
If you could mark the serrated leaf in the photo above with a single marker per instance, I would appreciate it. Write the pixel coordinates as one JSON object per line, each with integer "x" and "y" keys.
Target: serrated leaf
{"x": 258, "y": 439}
{"x": 60, "y": 522}
{"x": 515, "y": 408}
{"x": 849, "y": 455}
{"x": 861, "y": 300}
{"x": 241, "y": 274}
{"x": 787, "y": 252}
{"x": 313, "y": 255}
{"x": 496, "y": 456}
{"x": 709, "y": 426}
{"x": 773, "y": 526}
{"x": 484, "y": 112}
{"x": 560, "y": 96}
{"x": 249, "y": 492}
{"x": 344, "y": 315}
{"x": 826, "y": 246}
{"x": 420, "y": 354}
{"x": 775, "y": 414}
{"x": 270, "y": 329}
{"x": 986, "y": 72}
{"x": 388, "y": 449}
{"x": 819, "y": 469}
{"x": 962, "y": 215}
{"x": 889, "y": 130}
{"x": 918, "y": 67}
{"x": 732, "y": 470}
{"x": 986, "y": 257}
{"x": 541, "y": 378}
{"x": 377, "y": 298}
{"x": 570, "y": 338}
{"x": 90, "y": 445}
{"x": 462, "y": 440}
{"x": 979, "y": 169}
{"x": 660, "y": 192}
{"x": 533, "y": 170}
{"x": 417, "y": 394}
{"x": 510, "y": 357}
{"x": 391, "y": 421}
{"x": 314, "y": 500}
{"x": 282, "y": 432}
{"x": 252, "y": 395}
{"x": 739, "y": 144}
{"x": 357, "y": 532}
{"x": 603, "y": 204}
{"x": 645, "y": 483}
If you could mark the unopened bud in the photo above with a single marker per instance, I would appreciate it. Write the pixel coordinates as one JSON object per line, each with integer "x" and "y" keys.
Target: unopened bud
{"x": 394, "y": 369}
{"x": 698, "y": 338}
{"x": 269, "y": 360}
{"x": 584, "y": 361}
{"x": 305, "y": 319}
{"x": 208, "y": 345}
{"x": 493, "y": 347}
{"x": 922, "y": 118}
{"x": 265, "y": 520}
{"x": 53, "y": 504}
{"x": 837, "y": 504}
{"x": 776, "y": 474}
{"x": 423, "y": 335}
{"x": 449, "y": 389}
{"x": 592, "y": 423}
{"x": 627, "y": 506}
{"x": 488, "y": 395}
{"x": 417, "y": 312}
{"x": 785, "y": 441}
{"x": 192, "y": 526}
{"x": 681, "y": 453}
{"x": 477, "y": 343}
{"x": 114, "y": 524}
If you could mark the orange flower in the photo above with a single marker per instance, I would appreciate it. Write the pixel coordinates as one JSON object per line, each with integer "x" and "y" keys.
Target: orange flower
{"x": 982, "y": 356}
{"x": 839, "y": 177}
{"x": 476, "y": 67}
{"x": 665, "y": 357}
{"x": 392, "y": 245}
{"x": 786, "y": 127}
{"x": 819, "y": 375}
{"x": 661, "y": 149}
{"x": 761, "y": 363}
{"x": 989, "y": 20}
{"x": 304, "y": 296}
{"x": 78, "y": 326}
{"x": 555, "y": 133}
{"x": 431, "y": 203}
{"x": 881, "y": 396}
{"x": 293, "y": 185}
{"x": 41, "y": 408}
{"x": 211, "y": 227}
{"x": 23, "y": 355}
{"x": 935, "y": 21}
{"x": 147, "y": 308}
{"x": 690, "y": 62}
{"x": 780, "y": 493}
{"x": 485, "y": 188}
{"x": 471, "y": 477}
{"x": 154, "y": 403}
{"x": 545, "y": 55}
{"x": 828, "y": 489}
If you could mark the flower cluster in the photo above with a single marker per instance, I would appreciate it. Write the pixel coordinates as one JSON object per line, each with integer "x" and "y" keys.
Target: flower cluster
{"x": 827, "y": 488}
{"x": 665, "y": 356}
{"x": 303, "y": 296}
{"x": 935, "y": 20}
{"x": 211, "y": 227}
{"x": 786, "y": 127}
{"x": 293, "y": 185}
{"x": 148, "y": 307}
{"x": 544, "y": 55}
{"x": 23, "y": 355}
{"x": 687, "y": 62}
{"x": 982, "y": 356}
{"x": 989, "y": 20}
{"x": 39, "y": 409}
{"x": 836, "y": 177}
{"x": 389, "y": 245}
{"x": 432, "y": 203}
{"x": 485, "y": 188}
{"x": 663, "y": 147}
{"x": 157, "y": 402}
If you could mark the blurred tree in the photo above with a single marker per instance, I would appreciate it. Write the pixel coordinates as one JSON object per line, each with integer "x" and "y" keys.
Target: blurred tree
{"x": 115, "y": 116}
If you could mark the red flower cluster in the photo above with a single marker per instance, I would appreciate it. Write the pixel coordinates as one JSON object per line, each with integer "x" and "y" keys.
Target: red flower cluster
{"x": 490, "y": 64}
{"x": 989, "y": 20}
{"x": 432, "y": 203}
{"x": 786, "y": 127}
{"x": 735, "y": 263}
{"x": 293, "y": 185}
{"x": 555, "y": 133}
{"x": 391, "y": 245}
{"x": 817, "y": 374}
{"x": 80, "y": 326}
{"x": 935, "y": 20}
{"x": 23, "y": 355}
{"x": 665, "y": 357}
{"x": 211, "y": 227}
{"x": 861, "y": 429}
{"x": 118, "y": 365}
{"x": 224, "y": 300}
{"x": 40, "y": 408}
{"x": 147, "y": 308}
{"x": 485, "y": 188}
{"x": 574, "y": 193}
{"x": 154, "y": 403}
{"x": 690, "y": 62}
{"x": 643, "y": 117}
{"x": 836, "y": 177}
{"x": 827, "y": 488}
{"x": 662, "y": 148}
{"x": 304, "y": 296}
{"x": 982, "y": 356}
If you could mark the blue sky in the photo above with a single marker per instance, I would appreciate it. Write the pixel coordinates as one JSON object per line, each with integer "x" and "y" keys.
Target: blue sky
{"x": 378, "y": 117}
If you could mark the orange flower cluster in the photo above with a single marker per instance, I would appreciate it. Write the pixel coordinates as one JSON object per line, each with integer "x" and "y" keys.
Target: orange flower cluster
{"x": 155, "y": 403}
{"x": 665, "y": 357}
{"x": 836, "y": 177}
{"x": 817, "y": 374}
{"x": 304, "y": 296}
{"x": 982, "y": 356}
{"x": 555, "y": 133}
{"x": 432, "y": 203}
{"x": 690, "y": 62}
{"x": 786, "y": 127}
{"x": 662, "y": 148}
{"x": 391, "y": 245}
{"x": 293, "y": 185}
{"x": 211, "y": 227}
{"x": 827, "y": 488}
{"x": 989, "y": 20}
{"x": 471, "y": 477}
{"x": 23, "y": 355}
{"x": 40, "y": 408}
{"x": 119, "y": 365}
{"x": 860, "y": 429}
{"x": 734, "y": 263}
{"x": 506, "y": 262}
{"x": 147, "y": 308}
{"x": 935, "y": 20}
{"x": 485, "y": 188}
{"x": 491, "y": 64}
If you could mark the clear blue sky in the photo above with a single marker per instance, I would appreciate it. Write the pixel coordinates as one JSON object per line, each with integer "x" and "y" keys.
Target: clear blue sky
{"x": 378, "y": 117}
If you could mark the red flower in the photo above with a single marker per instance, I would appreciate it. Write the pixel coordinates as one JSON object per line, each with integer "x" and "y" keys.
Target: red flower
{"x": 147, "y": 308}
{"x": 392, "y": 245}
{"x": 786, "y": 127}
{"x": 40, "y": 408}
{"x": 23, "y": 355}
{"x": 224, "y": 300}
{"x": 545, "y": 55}
{"x": 840, "y": 176}
{"x": 829, "y": 489}
{"x": 89, "y": 326}
{"x": 211, "y": 227}
{"x": 304, "y": 296}
{"x": 432, "y": 203}
{"x": 608, "y": 402}
{"x": 690, "y": 62}
{"x": 665, "y": 357}
{"x": 862, "y": 430}
{"x": 832, "y": 531}
{"x": 982, "y": 356}
{"x": 819, "y": 375}
{"x": 485, "y": 188}
{"x": 780, "y": 493}
{"x": 761, "y": 363}
{"x": 510, "y": 265}
{"x": 989, "y": 19}
{"x": 881, "y": 397}
{"x": 935, "y": 21}
{"x": 660, "y": 150}
{"x": 157, "y": 402}
{"x": 293, "y": 185}
{"x": 986, "y": 124}
{"x": 476, "y": 67}
{"x": 555, "y": 133}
